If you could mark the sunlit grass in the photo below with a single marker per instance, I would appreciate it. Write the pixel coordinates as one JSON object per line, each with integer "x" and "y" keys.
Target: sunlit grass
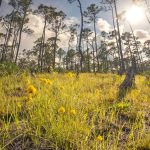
{"x": 60, "y": 111}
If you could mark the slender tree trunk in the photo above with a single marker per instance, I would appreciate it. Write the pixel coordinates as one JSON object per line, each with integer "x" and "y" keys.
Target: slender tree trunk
{"x": 80, "y": 37}
{"x": 43, "y": 44}
{"x": 8, "y": 35}
{"x": 14, "y": 44}
{"x": 96, "y": 43}
{"x": 113, "y": 18}
{"x": 136, "y": 46}
{"x": 94, "y": 69}
{"x": 55, "y": 47}
{"x": 88, "y": 59}
{"x": 20, "y": 34}
{"x": 131, "y": 55}
{"x": 3, "y": 49}
{"x": 119, "y": 38}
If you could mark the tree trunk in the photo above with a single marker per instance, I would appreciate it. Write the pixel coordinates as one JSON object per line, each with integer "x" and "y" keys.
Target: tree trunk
{"x": 20, "y": 34}
{"x": 96, "y": 44}
{"x": 119, "y": 38}
{"x": 14, "y": 44}
{"x": 43, "y": 45}
{"x": 88, "y": 59}
{"x": 8, "y": 35}
{"x": 54, "y": 53}
{"x": 136, "y": 46}
{"x": 113, "y": 18}
{"x": 80, "y": 37}
{"x": 129, "y": 80}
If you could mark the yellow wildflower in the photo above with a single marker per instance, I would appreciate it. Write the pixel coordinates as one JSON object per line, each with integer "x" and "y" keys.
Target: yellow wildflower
{"x": 70, "y": 75}
{"x": 72, "y": 111}
{"x": 31, "y": 89}
{"x": 49, "y": 81}
{"x": 122, "y": 105}
{"x": 99, "y": 138}
{"x": 61, "y": 110}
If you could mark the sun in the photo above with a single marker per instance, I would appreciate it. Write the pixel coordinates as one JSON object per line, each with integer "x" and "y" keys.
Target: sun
{"x": 135, "y": 14}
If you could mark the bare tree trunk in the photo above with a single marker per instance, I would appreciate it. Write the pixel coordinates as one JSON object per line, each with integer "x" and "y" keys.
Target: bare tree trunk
{"x": 119, "y": 38}
{"x": 55, "y": 46}
{"x": 80, "y": 37}
{"x": 113, "y": 18}
{"x": 42, "y": 45}
{"x": 8, "y": 35}
{"x": 96, "y": 44}
{"x": 129, "y": 80}
{"x": 3, "y": 49}
{"x": 88, "y": 59}
{"x": 14, "y": 44}
{"x": 92, "y": 46}
{"x": 20, "y": 35}
{"x": 136, "y": 46}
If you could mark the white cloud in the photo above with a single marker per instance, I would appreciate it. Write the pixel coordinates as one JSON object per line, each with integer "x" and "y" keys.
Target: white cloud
{"x": 71, "y": 21}
{"x": 64, "y": 39}
{"x": 142, "y": 34}
{"x": 103, "y": 25}
{"x": 36, "y": 23}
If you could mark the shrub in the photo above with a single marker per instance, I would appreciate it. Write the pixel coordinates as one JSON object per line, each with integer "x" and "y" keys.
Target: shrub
{"x": 7, "y": 68}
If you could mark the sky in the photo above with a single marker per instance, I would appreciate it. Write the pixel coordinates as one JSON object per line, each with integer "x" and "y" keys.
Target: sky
{"x": 104, "y": 21}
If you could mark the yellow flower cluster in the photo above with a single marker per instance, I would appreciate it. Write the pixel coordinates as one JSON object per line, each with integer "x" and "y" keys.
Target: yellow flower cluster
{"x": 99, "y": 138}
{"x": 47, "y": 81}
{"x": 31, "y": 89}
{"x": 122, "y": 105}
{"x": 70, "y": 75}
{"x": 62, "y": 110}
{"x": 73, "y": 112}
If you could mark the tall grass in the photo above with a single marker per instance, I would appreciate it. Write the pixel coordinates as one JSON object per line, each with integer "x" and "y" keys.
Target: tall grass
{"x": 64, "y": 112}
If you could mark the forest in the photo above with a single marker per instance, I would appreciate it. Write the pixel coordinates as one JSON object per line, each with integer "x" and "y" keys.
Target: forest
{"x": 74, "y": 75}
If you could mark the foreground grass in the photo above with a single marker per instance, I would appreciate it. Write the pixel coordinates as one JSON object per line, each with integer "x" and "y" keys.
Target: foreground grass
{"x": 62, "y": 112}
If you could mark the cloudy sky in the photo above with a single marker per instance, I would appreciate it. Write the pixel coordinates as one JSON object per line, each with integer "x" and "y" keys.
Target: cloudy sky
{"x": 104, "y": 22}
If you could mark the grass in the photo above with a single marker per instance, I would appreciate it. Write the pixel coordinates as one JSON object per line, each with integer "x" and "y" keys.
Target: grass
{"x": 62, "y": 112}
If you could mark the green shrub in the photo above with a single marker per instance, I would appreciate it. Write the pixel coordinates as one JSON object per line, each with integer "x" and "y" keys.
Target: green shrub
{"x": 7, "y": 68}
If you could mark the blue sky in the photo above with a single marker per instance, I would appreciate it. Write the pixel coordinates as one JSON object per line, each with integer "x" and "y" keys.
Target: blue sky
{"x": 72, "y": 10}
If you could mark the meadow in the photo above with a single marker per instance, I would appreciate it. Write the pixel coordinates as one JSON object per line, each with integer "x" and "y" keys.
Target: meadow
{"x": 63, "y": 112}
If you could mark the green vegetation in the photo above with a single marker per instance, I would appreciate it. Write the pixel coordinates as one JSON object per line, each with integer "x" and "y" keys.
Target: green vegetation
{"x": 60, "y": 111}
{"x": 7, "y": 68}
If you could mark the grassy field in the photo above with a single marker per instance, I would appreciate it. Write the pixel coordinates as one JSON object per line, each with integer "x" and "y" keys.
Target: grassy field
{"x": 62, "y": 112}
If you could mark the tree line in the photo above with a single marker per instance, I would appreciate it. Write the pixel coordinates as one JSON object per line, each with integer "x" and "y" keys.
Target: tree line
{"x": 88, "y": 50}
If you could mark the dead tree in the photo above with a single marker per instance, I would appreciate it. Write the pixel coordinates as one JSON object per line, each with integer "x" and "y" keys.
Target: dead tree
{"x": 129, "y": 80}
